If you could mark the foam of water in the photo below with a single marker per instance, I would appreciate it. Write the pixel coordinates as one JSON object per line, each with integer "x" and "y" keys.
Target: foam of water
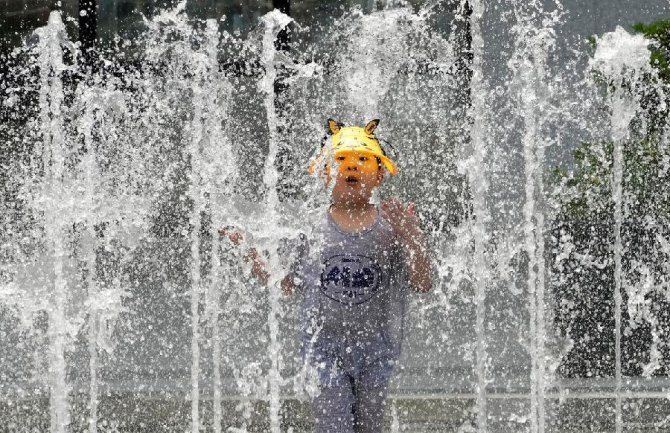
{"x": 620, "y": 52}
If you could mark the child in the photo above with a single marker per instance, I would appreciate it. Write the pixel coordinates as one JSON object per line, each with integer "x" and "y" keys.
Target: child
{"x": 354, "y": 283}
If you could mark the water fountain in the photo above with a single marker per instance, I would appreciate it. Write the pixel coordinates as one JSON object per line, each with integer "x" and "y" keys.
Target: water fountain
{"x": 120, "y": 299}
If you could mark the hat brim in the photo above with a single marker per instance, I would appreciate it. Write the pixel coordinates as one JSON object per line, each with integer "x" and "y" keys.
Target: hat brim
{"x": 386, "y": 161}
{"x": 390, "y": 166}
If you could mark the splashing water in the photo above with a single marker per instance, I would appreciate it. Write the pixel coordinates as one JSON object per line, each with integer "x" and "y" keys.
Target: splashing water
{"x": 127, "y": 301}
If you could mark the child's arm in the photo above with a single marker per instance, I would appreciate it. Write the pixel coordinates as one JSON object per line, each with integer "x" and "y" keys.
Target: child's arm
{"x": 257, "y": 266}
{"x": 287, "y": 285}
{"x": 258, "y": 269}
{"x": 406, "y": 225}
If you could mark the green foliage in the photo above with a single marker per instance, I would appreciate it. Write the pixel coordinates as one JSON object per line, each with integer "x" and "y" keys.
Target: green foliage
{"x": 659, "y": 32}
{"x": 592, "y": 41}
{"x": 586, "y": 192}
{"x": 583, "y": 266}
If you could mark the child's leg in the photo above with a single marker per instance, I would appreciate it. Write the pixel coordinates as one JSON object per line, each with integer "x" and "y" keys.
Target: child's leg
{"x": 369, "y": 412}
{"x": 333, "y": 407}
{"x": 369, "y": 396}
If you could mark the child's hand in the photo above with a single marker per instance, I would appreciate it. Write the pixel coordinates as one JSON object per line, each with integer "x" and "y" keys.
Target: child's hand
{"x": 287, "y": 285}
{"x": 403, "y": 219}
{"x": 252, "y": 255}
{"x": 234, "y": 236}
{"x": 406, "y": 225}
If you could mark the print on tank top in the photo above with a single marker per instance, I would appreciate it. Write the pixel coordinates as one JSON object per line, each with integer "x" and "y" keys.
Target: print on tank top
{"x": 350, "y": 279}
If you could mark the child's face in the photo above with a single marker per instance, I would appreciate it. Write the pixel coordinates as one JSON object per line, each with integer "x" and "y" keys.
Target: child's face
{"x": 358, "y": 174}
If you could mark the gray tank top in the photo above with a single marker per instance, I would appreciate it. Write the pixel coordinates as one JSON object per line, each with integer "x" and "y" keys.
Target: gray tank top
{"x": 354, "y": 284}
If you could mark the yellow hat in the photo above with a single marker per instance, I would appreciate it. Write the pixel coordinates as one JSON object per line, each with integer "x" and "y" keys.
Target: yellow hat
{"x": 355, "y": 139}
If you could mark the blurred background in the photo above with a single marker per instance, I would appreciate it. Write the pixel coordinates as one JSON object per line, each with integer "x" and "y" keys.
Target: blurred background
{"x": 131, "y": 130}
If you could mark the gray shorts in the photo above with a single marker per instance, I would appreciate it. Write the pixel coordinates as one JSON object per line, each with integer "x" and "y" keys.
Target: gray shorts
{"x": 353, "y": 378}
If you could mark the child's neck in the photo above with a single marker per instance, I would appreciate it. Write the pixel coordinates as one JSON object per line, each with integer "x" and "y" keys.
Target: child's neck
{"x": 353, "y": 217}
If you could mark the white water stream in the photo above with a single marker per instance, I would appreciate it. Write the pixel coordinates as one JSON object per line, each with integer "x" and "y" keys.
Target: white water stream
{"x": 530, "y": 87}
{"x": 274, "y": 23}
{"x": 622, "y": 59}
{"x": 476, "y": 171}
